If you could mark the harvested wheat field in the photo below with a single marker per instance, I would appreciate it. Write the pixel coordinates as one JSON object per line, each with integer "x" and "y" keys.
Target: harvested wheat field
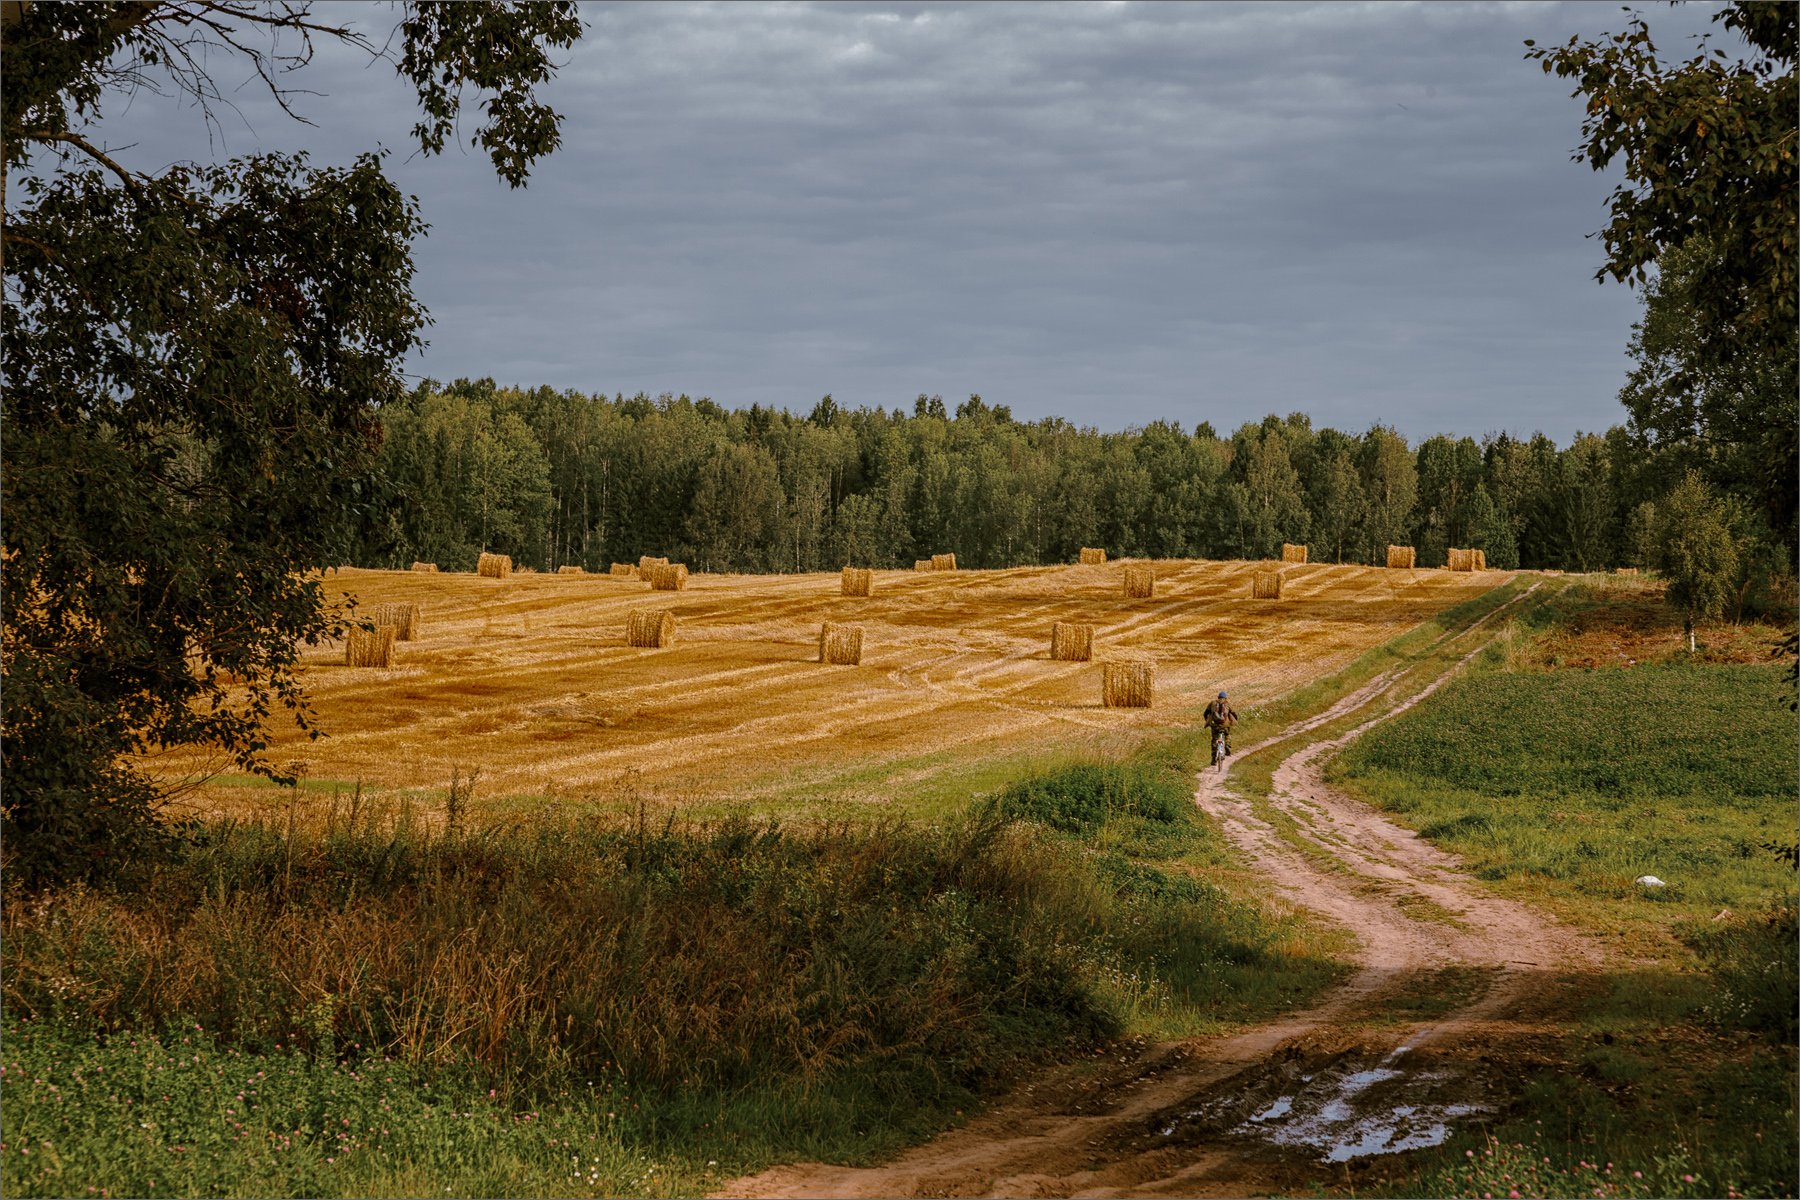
{"x": 531, "y": 679}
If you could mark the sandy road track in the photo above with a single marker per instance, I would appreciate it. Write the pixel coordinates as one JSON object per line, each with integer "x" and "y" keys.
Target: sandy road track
{"x": 1285, "y": 1102}
{"x": 530, "y": 679}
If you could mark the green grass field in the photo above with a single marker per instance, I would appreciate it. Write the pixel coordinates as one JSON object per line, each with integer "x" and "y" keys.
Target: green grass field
{"x": 1679, "y": 1077}
{"x": 1579, "y": 782}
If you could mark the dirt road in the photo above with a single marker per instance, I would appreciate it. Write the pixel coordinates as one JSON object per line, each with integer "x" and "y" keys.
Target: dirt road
{"x": 1317, "y": 1094}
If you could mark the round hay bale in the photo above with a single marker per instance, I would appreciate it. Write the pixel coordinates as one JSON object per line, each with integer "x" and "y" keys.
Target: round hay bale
{"x": 1626, "y": 571}
{"x": 623, "y": 571}
{"x": 1140, "y": 581}
{"x": 1070, "y": 642}
{"x": 669, "y": 577}
{"x": 1480, "y": 559}
{"x": 1291, "y": 553}
{"x": 647, "y": 565}
{"x": 1265, "y": 585}
{"x": 857, "y": 581}
{"x": 424, "y": 566}
{"x": 571, "y": 571}
{"x": 1129, "y": 684}
{"x": 1092, "y": 557}
{"x": 494, "y": 566}
{"x": 369, "y": 647}
{"x": 922, "y": 564}
{"x": 1461, "y": 560}
{"x": 1401, "y": 556}
{"x": 943, "y": 562}
{"x": 651, "y": 628}
{"x": 840, "y": 645}
{"x": 403, "y": 617}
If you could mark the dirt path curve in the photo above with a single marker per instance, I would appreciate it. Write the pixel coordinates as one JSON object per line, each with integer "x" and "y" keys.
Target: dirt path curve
{"x": 1275, "y": 1105}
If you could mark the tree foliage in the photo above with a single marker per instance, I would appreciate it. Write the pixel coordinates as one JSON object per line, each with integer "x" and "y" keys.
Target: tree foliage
{"x": 1708, "y": 148}
{"x": 195, "y": 362}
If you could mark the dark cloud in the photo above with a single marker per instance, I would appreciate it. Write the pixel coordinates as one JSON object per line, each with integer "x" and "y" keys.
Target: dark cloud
{"x": 1112, "y": 213}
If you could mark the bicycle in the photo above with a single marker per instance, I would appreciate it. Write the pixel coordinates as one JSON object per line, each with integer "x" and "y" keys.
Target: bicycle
{"x": 1219, "y": 754}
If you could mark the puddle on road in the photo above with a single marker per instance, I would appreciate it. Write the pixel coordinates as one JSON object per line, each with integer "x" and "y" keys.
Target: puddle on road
{"x": 1347, "y": 1108}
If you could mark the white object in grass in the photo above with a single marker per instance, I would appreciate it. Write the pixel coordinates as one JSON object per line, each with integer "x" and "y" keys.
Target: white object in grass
{"x": 1650, "y": 881}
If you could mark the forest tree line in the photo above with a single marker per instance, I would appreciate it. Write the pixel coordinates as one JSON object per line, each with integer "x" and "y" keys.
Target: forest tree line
{"x": 554, "y": 478}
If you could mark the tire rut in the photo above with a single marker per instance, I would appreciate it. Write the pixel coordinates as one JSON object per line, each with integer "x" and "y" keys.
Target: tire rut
{"x": 1295, "y": 1099}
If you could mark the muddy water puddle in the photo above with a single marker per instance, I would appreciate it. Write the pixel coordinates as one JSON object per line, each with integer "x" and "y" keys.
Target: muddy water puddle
{"x": 1336, "y": 1107}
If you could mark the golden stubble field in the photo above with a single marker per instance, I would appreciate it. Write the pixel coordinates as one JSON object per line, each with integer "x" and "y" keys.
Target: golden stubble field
{"x": 529, "y": 678}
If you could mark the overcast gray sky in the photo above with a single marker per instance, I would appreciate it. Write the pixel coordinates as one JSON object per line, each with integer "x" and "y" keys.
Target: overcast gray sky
{"x": 1113, "y": 213}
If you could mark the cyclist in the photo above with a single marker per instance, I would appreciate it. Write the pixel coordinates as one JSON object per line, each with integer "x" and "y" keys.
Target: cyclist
{"x": 1221, "y": 716}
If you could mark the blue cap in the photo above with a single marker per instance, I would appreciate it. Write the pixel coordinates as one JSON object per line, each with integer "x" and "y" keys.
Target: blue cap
{"x": 1221, "y": 695}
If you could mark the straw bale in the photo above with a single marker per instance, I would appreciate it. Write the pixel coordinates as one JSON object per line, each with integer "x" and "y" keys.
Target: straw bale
{"x": 1090, "y": 557}
{"x": 840, "y": 645}
{"x": 943, "y": 562}
{"x": 1461, "y": 560}
{"x": 922, "y": 564}
{"x": 403, "y": 617}
{"x": 1626, "y": 571}
{"x": 1129, "y": 684}
{"x": 650, "y": 627}
{"x": 1265, "y": 585}
{"x": 1402, "y": 556}
{"x": 623, "y": 571}
{"x": 669, "y": 577}
{"x": 1140, "y": 581}
{"x": 369, "y": 648}
{"x": 858, "y": 581}
{"x": 419, "y": 566}
{"x": 494, "y": 566}
{"x": 1480, "y": 559}
{"x": 1547, "y": 571}
{"x": 1291, "y": 553}
{"x": 646, "y": 565}
{"x": 565, "y": 570}
{"x": 1071, "y": 643}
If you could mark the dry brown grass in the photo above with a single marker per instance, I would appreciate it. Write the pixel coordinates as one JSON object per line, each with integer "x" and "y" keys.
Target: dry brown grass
{"x": 567, "y": 570}
{"x": 1401, "y": 556}
{"x": 1140, "y": 581}
{"x": 1291, "y": 553}
{"x": 840, "y": 645}
{"x": 369, "y": 647}
{"x": 1092, "y": 557}
{"x": 494, "y": 566}
{"x": 406, "y": 618}
{"x": 650, "y": 628}
{"x": 669, "y": 577}
{"x": 1265, "y": 585}
{"x": 425, "y": 566}
{"x": 535, "y": 682}
{"x": 1070, "y": 642}
{"x": 622, "y": 571}
{"x": 857, "y": 581}
{"x": 1129, "y": 684}
{"x": 943, "y": 562}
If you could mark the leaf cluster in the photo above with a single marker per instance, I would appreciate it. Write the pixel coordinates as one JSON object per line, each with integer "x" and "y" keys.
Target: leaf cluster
{"x": 1708, "y": 148}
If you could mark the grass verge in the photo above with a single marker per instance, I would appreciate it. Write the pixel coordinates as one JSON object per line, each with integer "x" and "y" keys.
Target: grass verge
{"x": 1564, "y": 787}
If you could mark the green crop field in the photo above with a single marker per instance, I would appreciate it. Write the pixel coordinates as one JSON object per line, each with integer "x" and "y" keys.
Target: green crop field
{"x": 1586, "y": 780}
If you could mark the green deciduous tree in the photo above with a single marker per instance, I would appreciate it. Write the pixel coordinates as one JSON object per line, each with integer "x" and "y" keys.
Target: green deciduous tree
{"x": 194, "y": 363}
{"x": 1695, "y": 551}
{"x": 1708, "y": 149}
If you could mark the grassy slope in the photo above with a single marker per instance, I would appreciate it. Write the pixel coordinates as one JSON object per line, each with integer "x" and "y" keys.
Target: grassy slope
{"x": 1562, "y": 788}
{"x": 1172, "y": 941}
